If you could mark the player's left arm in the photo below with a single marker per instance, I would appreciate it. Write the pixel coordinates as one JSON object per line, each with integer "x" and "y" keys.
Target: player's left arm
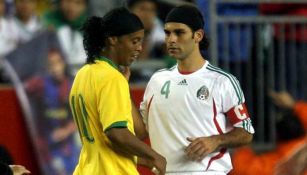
{"x": 241, "y": 134}
{"x": 236, "y": 112}
{"x": 200, "y": 147}
{"x": 295, "y": 164}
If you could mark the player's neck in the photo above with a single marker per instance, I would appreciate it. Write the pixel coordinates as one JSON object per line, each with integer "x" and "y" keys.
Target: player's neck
{"x": 192, "y": 63}
{"x": 109, "y": 54}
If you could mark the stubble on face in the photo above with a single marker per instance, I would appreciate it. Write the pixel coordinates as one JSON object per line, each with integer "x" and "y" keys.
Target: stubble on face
{"x": 179, "y": 40}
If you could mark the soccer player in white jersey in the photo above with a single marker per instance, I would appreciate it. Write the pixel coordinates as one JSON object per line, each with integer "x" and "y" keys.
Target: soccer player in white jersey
{"x": 194, "y": 112}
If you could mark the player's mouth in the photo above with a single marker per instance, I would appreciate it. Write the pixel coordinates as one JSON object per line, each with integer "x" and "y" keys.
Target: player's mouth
{"x": 173, "y": 50}
{"x": 135, "y": 57}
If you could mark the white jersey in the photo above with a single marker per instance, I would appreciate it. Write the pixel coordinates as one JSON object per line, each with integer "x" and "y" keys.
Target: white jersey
{"x": 204, "y": 103}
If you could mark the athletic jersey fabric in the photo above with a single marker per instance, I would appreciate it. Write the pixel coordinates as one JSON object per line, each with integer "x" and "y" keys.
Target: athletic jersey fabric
{"x": 203, "y": 103}
{"x": 100, "y": 100}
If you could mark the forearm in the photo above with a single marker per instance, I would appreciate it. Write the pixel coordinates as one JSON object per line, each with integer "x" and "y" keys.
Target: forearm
{"x": 125, "y": 142}
{"x": 296, "y": 164}
{"x": 144, "y": 162}
{"x": 71, "y": 127}
{"x": 139, "y": 126}
{"x": 200, "y": 147}
{"x": 300, "y": 157}
{"x": 235, "y": 138}
{"x": 122, "y": 138}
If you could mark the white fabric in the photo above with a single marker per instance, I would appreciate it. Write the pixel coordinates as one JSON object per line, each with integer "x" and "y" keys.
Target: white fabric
{"x": 13, "y": 33}
{"x": 8, "y": 36}
{"x": 27, "y": 31}
{"x": 188, "y": 111}
{"x": 157, "y": 35}
{"x": 72, "y": 44}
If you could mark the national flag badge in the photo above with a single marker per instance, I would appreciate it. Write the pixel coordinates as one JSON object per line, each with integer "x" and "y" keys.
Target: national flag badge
{"x": 203, "y": 93}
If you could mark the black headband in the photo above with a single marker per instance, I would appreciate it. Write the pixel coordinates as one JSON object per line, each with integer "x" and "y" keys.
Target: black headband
{"x": 131, "y": 3}
{"x": 188, "y": 15}
{"x": 120, "y": 22}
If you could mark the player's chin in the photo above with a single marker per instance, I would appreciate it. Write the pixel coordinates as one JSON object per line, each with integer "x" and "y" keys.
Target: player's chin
{"x": 132, "y": 60}
{"x": 176, "y": 56}
{"x": 129, "y": 63}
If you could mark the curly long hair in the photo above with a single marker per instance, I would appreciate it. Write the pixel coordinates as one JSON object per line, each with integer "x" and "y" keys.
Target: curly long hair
{"x": 94, "y": 36}
{"x": 117, "y": 22}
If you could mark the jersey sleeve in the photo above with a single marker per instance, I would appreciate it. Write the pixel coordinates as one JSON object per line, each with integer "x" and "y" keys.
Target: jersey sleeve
{"x": 145, "y": 104}
{"x": 234, "y": 106}
{"x": 114, "y": 104}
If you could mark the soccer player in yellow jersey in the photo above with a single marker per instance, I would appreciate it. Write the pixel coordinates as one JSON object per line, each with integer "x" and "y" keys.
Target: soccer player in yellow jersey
{"x": 100, "y": 99}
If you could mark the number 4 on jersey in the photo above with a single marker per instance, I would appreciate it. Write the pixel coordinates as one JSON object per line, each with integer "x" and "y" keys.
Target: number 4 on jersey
{"x": 165, "y": 88}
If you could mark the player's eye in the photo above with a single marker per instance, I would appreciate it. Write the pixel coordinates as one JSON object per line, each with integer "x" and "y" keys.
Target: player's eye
{"x": 167, "y": 33}
{"x": 178, "y": 33}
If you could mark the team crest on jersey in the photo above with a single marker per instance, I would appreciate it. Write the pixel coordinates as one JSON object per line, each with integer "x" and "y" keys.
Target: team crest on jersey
{"x": 203, "y": 93}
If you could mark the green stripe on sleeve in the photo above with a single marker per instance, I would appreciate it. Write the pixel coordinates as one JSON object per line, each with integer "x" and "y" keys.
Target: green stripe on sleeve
{"x": 232, "y": 80}
{"x": 229, "y": 75}
{"x": 119, "y": 124}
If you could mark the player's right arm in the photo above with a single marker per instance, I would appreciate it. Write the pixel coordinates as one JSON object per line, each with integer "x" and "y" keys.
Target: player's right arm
{"x": 295, "y": 164}
{"x": 118, "y": 123}
{"x": 127, "y": 142}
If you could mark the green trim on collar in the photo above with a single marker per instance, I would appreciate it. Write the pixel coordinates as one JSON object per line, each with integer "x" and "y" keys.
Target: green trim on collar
{"x": 108, "y": 61}
{"x": 119, "y": 124}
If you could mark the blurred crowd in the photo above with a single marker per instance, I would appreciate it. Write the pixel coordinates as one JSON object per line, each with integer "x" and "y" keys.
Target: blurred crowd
{"x": 29, "y": 28}
{"x": 43, "y": 42}
{"x": 291, "y": 127}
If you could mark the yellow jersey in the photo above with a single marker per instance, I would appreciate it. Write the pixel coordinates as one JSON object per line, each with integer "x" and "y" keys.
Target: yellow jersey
{"x": 100, "y": 100}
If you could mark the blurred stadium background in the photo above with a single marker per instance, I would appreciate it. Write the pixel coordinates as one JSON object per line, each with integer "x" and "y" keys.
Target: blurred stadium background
{"x": 262, "y": 42}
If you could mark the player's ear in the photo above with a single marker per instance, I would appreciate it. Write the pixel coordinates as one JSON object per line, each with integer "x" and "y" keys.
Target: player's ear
{"x": 198, "y": 35}
{"x": 112, "y": 40}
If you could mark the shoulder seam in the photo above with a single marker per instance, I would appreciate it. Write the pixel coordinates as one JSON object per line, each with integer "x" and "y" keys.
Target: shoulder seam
{"x": 232, "y": 79}
{"x": 166, "y": 69}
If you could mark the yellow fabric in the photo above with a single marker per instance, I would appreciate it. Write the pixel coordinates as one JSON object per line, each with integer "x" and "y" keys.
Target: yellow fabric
{"x": 100, "y": 99}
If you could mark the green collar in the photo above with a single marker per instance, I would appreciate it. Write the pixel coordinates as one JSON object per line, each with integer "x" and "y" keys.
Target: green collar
{"x": 108, "y": 61}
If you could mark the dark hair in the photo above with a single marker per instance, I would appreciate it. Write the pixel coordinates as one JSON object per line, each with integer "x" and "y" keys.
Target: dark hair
{"x": 94, "y": 36}
{"x": 190, "y": 16}
{"x": 117, "y": 22}
{"x": 5, "y": 156}
{"x": 131, "y": 3}
{"x": 204, "y": 43}
{"x": 288, "y": 126}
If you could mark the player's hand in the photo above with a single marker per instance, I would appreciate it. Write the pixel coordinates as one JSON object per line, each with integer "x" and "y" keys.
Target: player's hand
{"x": 290, "y": 166}
{"x": 19, "y": 170}
{"x": 159, "y": 165}
{"x": 150, "y": 164}
{"x": 200, "y": 147}
{"x": 282, "y": 99}
{"x": 60, "y": 134}
{"x": 285, "y": 168}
